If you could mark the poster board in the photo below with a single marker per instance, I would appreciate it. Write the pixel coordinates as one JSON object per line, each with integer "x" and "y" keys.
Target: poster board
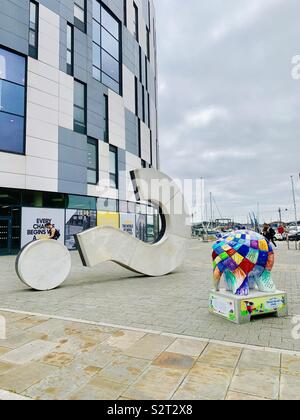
{"x": 78, "y": 221}
{"x": 34, "y": 222}
{"x": 127, "y": 223}
{"x": 108, "y": 219}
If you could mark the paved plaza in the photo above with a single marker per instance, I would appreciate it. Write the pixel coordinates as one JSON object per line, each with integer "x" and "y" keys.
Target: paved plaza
{"x": 110, "y": 334}
{"x": 54, "y": 359}
{"x": 177, "y": 303}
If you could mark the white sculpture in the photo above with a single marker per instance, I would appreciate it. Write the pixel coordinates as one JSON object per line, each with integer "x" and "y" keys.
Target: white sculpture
{"x": 43, "y": 265}
{"x": 102, "y": 244}
{"x": 157, "y": 259}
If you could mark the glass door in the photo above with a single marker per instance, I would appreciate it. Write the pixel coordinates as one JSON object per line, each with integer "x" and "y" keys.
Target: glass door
{"x": 5, "y": 235}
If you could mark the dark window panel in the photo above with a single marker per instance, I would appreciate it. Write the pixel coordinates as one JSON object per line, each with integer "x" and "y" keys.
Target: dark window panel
{"x": 92, "y": 161}
{"x": 12, "y": 133}
{"x": 70, "y": 49}
{"x": 109, "y": 23}
{"x": 33, "y": 29}
{"x": 79, "y": 107}
{"x": 110, "y": 44}
{"x": 106, "y": 119}
{"x": 110, "y": 66}
{"x": 12, "y": 98}
{"x": 80, "y": 14}
{"x": 12, "y": 67}
{"x": 113, "y": 167}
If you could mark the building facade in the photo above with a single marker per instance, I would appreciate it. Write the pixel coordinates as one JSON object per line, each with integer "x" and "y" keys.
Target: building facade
{"x": 78, "y": 111}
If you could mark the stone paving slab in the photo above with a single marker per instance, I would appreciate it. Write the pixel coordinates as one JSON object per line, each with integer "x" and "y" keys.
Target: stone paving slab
{"x": 177, "y": 303}
{"x": 132, "y": 365}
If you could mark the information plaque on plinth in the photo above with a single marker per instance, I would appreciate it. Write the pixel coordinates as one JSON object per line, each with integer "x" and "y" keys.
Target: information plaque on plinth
{"x": 240, "y": 309}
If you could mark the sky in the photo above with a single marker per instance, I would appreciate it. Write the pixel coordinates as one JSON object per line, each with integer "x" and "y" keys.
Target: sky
{"x": 229, "y": 108}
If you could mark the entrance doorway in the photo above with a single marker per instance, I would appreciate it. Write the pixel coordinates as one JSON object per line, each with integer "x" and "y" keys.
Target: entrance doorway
{"x": 5, "y": 235}
{"x": 10, "y": 230}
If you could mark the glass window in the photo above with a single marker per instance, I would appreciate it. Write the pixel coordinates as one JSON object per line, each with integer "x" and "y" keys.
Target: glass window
{"x": 9, "y": 197}
{"x": 12, "y": 102}
{"x": 125, "y": 12}
{"x": 109, "y": 82}
{"x": 12, "y": 98}
{"x": 96, "y": 56}
{"x": 12, "y": 67}
{"x": 80, "y": 14}
{"x": 92, "y": 151}
{"x": 33, "y": 29}
{"x": 96, "y": 74}
{"x": 12, "y": 133}
{"x": 96, "y": 11}
{"x": 106, "y": 47}
{"x": 136, "y": 22}
{"x": 107, "y": 204}
{"x": 113, "y": 167}
{"x": 110, "y": 66}
{"x": 70, "y": 49}
{"x": 81, "y": 202}
{"x": 106, "y": 119}
{"x": 110, "y": 44}
{"x": 79, "y": 107}
{"x": 110, "y": 23}
{"x": 96, "y": 32}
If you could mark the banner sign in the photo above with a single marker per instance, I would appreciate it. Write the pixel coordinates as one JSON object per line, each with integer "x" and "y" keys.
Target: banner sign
{"x": 127, "y": 223}
{"x": 108, "y": 219}
{"x": 34, "y": 221}
{"x": 76, "y": 222}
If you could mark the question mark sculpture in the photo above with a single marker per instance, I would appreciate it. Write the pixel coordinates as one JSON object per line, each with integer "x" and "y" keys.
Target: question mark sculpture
{"x": 45, "y": 265}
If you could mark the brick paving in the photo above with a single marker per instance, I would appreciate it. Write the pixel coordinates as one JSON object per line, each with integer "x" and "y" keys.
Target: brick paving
{"x": 177, "y": 303}
{"x": 52, "y": 359}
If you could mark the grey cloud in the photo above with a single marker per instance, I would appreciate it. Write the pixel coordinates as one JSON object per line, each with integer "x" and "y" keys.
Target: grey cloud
{"x": 238, "y": 84}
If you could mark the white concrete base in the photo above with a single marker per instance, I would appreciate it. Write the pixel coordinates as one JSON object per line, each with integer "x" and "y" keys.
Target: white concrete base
{"x": 43, "y": 265}
{"x": 240, "y": 309}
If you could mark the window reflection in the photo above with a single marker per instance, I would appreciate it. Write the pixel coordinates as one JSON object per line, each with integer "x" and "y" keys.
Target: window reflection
{"x": 12, "y": 102}
{"x": 106, "y": 47}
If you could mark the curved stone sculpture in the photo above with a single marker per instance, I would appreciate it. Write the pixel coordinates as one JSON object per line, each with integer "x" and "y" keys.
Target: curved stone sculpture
{"x": 246, "y": 259}
{"x": 102, "y": 244}
{"x": 43, "y": 265}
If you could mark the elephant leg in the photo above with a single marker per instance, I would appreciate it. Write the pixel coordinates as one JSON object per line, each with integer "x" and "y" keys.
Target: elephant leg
{"x": 252, "y": 282}
{"x": 230, "y": 281}
{"x": 244, "y": 289}
{"x": 265, "y": 282}
{"x": 217, "y": 279}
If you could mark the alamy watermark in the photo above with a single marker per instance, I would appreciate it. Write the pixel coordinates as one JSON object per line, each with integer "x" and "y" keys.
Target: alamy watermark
{"x": 2, "y": 328}
{"x": 296, "y": 67}
{"x": 179, "y": 196}
{"x": 296, "y": 329}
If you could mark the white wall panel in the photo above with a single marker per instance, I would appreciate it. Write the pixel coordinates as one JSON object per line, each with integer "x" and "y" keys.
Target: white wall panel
{"x": 48, "y": 37}
{"x": 145, "y": 143}
{"x": 116, "y": 120}
{"x": 129, "y": 89}
{"x": 66, "y": 101}
{"x": 9, "y": 180}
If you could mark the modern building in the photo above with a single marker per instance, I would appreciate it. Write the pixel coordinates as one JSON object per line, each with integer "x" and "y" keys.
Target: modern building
{"x": 78, "y": 111}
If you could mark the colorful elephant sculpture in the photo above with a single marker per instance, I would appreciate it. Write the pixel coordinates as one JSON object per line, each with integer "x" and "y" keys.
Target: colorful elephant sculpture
{"x": 246, "y": 259}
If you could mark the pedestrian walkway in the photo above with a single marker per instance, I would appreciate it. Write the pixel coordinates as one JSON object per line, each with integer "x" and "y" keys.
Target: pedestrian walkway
{"x": 177, "y": 303}
{"x": 45, "y": 358}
